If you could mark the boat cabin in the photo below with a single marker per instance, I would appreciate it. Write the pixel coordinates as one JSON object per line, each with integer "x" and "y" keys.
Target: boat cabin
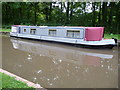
{"x": 82, "y": 36}
{"x": 86, "y": 33}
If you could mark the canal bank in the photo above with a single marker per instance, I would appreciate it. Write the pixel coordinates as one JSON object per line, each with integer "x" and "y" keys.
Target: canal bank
{"x": 19, "y": 79}
{"x": 5, "y": 33}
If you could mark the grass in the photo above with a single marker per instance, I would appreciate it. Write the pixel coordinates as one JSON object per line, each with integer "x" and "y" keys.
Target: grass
{"x": 5, "y": 30}
{"x": 11, "y": 82}
{"x": 0, "y": 81}
{"x": 107, "y": 36}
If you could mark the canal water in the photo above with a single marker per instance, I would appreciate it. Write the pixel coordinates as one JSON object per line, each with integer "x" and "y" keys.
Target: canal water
{"x": 60, "y": 66}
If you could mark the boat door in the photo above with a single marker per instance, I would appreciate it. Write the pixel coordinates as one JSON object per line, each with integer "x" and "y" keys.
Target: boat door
{"x": 19, "y": 31}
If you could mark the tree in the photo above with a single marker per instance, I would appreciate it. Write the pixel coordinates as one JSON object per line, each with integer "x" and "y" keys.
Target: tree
{"x": 105, "y": 14}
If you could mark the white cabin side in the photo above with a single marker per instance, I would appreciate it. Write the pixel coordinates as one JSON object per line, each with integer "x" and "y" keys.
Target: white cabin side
{"x": 37, "y": 31}
{"x": 43, "y": 31}
{"x": 63, "y": 32}
{"x": 29, "y": 30}
{"x": 24, "y": 30}
{"x": 14, "y": 29}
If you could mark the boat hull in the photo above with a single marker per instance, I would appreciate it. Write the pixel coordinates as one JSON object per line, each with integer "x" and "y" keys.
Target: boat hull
{"x": 107, "y": 46}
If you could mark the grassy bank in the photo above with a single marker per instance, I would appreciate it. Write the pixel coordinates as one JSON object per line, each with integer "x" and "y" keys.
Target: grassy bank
{"x": 11, "y": 82}
{"x": 5, "y": 30}
{"x": 107, "y": 36}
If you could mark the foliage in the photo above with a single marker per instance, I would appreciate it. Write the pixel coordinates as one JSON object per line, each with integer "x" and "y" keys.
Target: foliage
{"x": 10, "y": 82}
{"x": 105, "y": 14}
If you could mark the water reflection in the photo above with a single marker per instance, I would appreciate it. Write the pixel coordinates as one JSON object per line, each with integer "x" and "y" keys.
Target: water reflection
{"x": 56, "y": 66}
{"x": 56, "y": 52}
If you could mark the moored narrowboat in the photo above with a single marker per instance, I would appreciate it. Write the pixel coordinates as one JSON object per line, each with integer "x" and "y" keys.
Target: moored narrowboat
{"x": 91, "y": 37}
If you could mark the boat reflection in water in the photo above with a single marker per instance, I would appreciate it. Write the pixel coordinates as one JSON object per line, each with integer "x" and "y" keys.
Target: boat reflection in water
{"x": 60, "y": 66}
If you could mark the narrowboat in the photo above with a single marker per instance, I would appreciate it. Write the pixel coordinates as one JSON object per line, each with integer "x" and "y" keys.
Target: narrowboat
{"x": 91, "y": 37}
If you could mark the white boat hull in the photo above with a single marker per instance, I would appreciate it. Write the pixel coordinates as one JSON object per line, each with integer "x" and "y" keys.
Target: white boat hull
{"x": 79, "y": 42}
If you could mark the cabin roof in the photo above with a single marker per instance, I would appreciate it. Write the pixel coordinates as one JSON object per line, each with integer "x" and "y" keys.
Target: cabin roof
{"x": 56, "y": 27}
{"x": 53, "y": 27}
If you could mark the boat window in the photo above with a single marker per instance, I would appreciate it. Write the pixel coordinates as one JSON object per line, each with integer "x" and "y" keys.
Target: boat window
{"x": 52, "y": 32}
{"x": 32, "y": 31}
{"x": 24, "y": 30}
{"x": 73, "y": 34}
